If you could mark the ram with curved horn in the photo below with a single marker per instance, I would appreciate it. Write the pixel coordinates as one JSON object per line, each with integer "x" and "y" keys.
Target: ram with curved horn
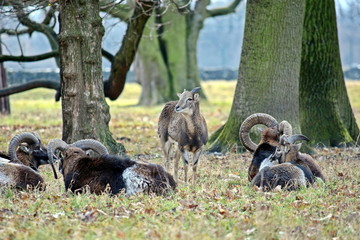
{"x": 269, "y": 138}
{"x": 26, "y": 148}
{"x": 106, "y": 173}
{"x": 287, "y": 167}
{"x": 270, "y": 135}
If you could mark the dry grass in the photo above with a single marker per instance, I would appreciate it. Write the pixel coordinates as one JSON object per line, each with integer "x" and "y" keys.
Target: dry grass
{"x": 220, "y": 206}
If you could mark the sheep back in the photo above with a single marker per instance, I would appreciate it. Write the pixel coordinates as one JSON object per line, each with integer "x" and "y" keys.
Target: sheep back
{"x": 287, "y": 175}
{"x": 191, "y": 133}
{"x": 307, "y": 160}
{"x": 159, "y": 181}
{"x": 164, "y": 121}
{"x": 20, "y": 176}
{"x": 97, "y": 174}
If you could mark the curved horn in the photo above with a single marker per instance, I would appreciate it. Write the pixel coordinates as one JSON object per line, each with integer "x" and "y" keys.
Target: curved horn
{"x": 53, "y": 145}
{"x": 195, "y": 89}
{"x": 283, "y": 140}
{"x": 248, "y": 123}
{"x": 92, "y": 144}
{"x": 285, "y": 128}
{"x": 27, "y": 137}
{"x": 297, "y": 137}
{"x": 36, "y": 135}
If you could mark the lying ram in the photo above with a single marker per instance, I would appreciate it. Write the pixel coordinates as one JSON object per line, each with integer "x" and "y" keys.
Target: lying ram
{"x": 26, "y": 148}
{"x": 183, "y": 131}
{"x": 19, "y": 176}
{"x": 269, "y": 138}
{"x": 19, "y": 168}
{"x": 290, "y": 153}
{"x": 106, "y": 173}
{"x": 287, "y": 167}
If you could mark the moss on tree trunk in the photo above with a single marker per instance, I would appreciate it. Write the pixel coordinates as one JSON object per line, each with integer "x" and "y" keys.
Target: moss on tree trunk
{"x": 269, "y": 68}
{"x": 167, "y": 54}
{"x": 85, "y": 112}
{"x": 325, "y": 112}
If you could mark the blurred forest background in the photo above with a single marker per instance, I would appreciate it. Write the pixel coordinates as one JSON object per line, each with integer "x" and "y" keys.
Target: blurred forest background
{"x": 218, "y": 50}
{"x": 290, "y": 50}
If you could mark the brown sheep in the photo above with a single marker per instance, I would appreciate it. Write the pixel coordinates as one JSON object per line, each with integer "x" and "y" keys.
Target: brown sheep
{"x": 269, "y": 138}
{"x": 107, "y": 173}
{"x": 19, "y": 176}
{"x": 183, "y": 131}
{"x": 287, "y": 167}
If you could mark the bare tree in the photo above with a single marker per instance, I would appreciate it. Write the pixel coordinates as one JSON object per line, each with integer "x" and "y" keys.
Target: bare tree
{"x": 135, "y": 14}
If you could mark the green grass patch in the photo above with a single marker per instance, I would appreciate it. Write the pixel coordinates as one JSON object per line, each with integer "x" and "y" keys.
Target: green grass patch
{"x": 220, "y": 206}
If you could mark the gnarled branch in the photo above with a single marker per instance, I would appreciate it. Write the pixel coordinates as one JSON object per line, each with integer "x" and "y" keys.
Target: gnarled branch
{"x": 224, "y": 10}
{"x": 107, "y": 55}
{"x": 124, "y": 57}
{"x": 4, "y": 58}
{"x": 28, "y": 86}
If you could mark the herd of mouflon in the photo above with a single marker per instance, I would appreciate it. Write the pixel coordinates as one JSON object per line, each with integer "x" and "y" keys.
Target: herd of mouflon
{"x": 86, "y": 165}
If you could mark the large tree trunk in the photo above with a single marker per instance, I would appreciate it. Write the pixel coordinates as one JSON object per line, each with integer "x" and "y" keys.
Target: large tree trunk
{"x": 162, "y": 55}
{"x": 85, "y": 112}
{"x": 325, "y": 112}
{"x": 269, "y": 68}
{"x": 169, "y": 52}
{"x": 194, "y": 24}
{"x": 169, "y": 62}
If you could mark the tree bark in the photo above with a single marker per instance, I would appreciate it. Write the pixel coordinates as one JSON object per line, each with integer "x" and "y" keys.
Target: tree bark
{"x": 269, "y": 68}
{"x": 325, "y": 111}
{"x": 172, "y": 54}
{"x": 171, "y": 65}
{"x": 162, "y": 57}
{"x": 85, "y": 111}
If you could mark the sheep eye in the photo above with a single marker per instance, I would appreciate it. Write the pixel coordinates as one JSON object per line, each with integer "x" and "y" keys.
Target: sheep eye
{"x": 189, "y": 99}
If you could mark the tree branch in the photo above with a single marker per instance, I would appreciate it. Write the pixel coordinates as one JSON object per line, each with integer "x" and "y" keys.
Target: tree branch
{"x": 118, "y": 10}
{"x": 107, "y": 55}
{"x": 49, "y": 15}
{"x": 224, "y": 10}
{"x": 124, "y": 57}
{"x": 13, "y": 32}
{"x": 4, "y": 58}
{"x": 43, "y": 28}
{"x": 28, "y": 86}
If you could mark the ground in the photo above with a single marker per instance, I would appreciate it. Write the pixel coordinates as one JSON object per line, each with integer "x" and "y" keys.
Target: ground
{"x": 221, "y": 205}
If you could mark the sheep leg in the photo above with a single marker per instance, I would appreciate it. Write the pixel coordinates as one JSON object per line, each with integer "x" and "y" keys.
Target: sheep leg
{"x": 176, "y": 165}
{"x": 185, "y": 155}
{"x": 194, "y": 174}
{"x": 167, "y": 149}
{"x": 196, "y": 157}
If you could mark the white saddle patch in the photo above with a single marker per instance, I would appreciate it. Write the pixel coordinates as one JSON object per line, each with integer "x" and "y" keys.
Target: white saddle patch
{"x": 268, "y": 163}
{"x": 4, "y": 179}
{"x": 302, "y": 178}
{"x": 134, "y": 183}
{"x": 4, "y": 160}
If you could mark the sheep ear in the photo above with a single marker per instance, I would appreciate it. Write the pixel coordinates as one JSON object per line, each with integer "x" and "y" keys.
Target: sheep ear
{"x": 178, "y": 94}
{"x": 196, "y": 97}
{"x": 25, "y": 149}
{"x": 298, "y": 146}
